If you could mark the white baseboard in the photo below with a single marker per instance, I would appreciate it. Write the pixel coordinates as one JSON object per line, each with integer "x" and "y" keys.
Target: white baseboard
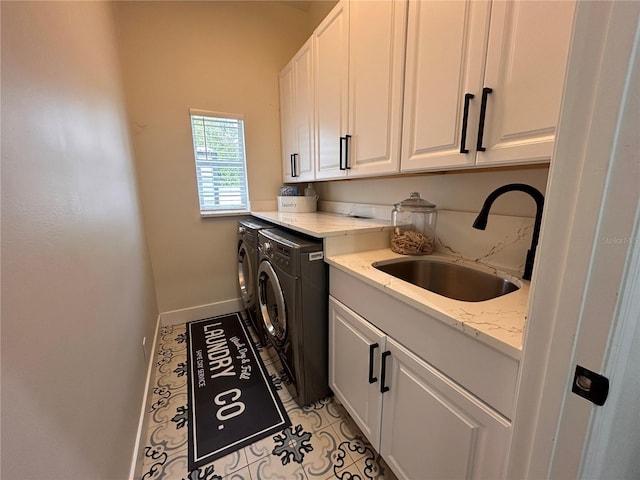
{"x": 136, "y": 461}
{"x": 176, "y": 317}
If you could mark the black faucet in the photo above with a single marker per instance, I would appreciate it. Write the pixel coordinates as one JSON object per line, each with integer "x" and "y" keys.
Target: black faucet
{"x": 481, "y": 221}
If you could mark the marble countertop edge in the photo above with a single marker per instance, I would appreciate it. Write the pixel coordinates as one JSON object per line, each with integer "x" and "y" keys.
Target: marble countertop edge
{"x": 498, "y": 323}
{"x": 323, "y": 224}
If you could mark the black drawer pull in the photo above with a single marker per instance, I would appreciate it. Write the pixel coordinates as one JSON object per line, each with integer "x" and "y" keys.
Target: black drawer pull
{"x": 342, "y": 139}
{"x": 372, "y": 347}
{"x": 383, "y": 372}
{"x": 465, "y": 120}
{"x": 347, "y": 163}
{"x": 483, "y": 113}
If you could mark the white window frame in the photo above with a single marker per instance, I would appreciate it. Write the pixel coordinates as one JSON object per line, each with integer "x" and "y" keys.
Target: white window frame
{"x": 205, "y": 161}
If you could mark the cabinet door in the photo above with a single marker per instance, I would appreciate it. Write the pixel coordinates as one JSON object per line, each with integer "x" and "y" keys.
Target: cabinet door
{"x": 289, "y": 141}
{"x": 376, "y": 64}
{"x": 526, "y": 59}
{"x": 445, "y": 61}
{"x": 297, "y": 123}
{"x": 304, "y": 113}
{"x": 433, "y": 428}
{"x": 353, "y": 357}
{"x": 331, "y": 54}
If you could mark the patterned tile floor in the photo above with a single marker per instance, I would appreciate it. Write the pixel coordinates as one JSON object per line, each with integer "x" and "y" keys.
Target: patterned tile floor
{"x": 323, "y": 442}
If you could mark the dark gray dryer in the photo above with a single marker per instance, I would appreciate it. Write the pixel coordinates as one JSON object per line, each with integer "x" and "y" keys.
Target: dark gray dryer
{"x": 248, "y": 229}
{"x": 293, "y": 301}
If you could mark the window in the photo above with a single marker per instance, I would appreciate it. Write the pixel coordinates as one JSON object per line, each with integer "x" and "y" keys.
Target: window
{"x": 221, "y": 167}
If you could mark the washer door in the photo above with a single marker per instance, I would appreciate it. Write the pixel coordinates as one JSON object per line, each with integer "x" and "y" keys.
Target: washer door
{"x": 245, "y": 276}
{"x": 272, "y": 304}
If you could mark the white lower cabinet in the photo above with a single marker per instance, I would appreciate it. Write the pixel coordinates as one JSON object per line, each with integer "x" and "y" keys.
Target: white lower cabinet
{"x": 354, "y": 353}
{"x": 433, "y": 428}
{"x": 422, "y": 423}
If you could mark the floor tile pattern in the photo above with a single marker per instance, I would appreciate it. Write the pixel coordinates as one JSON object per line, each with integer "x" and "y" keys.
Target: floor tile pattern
{"x": 322, "y": 442}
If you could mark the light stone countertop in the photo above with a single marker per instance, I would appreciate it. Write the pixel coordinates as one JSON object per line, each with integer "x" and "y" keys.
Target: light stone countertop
{"x": 323, "y": 224}
{"x": 498, "y": 322}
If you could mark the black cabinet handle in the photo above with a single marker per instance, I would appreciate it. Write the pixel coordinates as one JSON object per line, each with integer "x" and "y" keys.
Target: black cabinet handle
{"x": 483, "y": 112}
{"x": 372, "y": 347}
{"x": 293, "y": 168}
{"x": 347, "y": 140}
{"x": 342, "y": 139}
{"x": 465, "y": 120}
{"x": 383, "y": 372}
{"x": 295, "y": 165}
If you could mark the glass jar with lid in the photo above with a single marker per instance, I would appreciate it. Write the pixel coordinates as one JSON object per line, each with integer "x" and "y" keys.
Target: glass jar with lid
{"x": 414, "y": 226}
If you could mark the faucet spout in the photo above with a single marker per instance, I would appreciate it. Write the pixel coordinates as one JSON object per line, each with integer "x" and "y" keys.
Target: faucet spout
{"x": 480, "y": 222}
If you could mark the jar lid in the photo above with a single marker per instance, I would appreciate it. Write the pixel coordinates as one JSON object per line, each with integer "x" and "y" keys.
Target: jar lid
{"x": 414, "y": 203}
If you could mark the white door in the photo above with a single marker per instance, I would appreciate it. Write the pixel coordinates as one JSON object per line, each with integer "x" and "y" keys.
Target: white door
{"x": 524, "y": 79}
{"x": 331, "y": 65}
{"x": 354, "y": 366}
{"x": 446, "y": 44}
{"x": 584, "y": 304}
{"x": 376, "y": 66}
{"x": 434, "y": 429}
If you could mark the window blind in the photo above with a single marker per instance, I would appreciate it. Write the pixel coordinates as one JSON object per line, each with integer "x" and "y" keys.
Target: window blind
{"x": 221, "y": 167}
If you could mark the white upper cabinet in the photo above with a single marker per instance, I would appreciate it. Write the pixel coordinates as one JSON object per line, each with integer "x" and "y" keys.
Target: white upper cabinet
{"x": 483, "y": 82}
{"x": 289, "y": 142}
{"x": 444, "y": 69}
{"x": 376, "y": 66}
{"x": 297, "y": 117}
{"x": 359, "y": 52}
{"x": 331, "y": 65}
{"x": 526, "y": 59}
{"x": 408, "y": 86}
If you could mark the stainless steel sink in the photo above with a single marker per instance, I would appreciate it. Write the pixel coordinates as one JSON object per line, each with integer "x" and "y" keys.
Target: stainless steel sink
{"x": 448, "y": 279}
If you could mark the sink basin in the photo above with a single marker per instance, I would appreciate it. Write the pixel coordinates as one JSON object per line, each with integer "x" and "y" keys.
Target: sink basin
{"x": 448, "y": 279}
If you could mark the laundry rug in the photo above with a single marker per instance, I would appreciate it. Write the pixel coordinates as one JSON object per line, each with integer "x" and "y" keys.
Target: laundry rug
{"x": 232, "y": 402}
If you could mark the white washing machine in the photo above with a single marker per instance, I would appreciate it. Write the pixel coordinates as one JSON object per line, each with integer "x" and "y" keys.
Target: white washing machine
{"x": 293, "y": 300}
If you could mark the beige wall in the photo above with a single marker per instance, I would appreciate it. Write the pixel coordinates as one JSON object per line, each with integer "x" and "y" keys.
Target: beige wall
{"x": 77, "y": 290}
{"x": 219, "y": 56}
